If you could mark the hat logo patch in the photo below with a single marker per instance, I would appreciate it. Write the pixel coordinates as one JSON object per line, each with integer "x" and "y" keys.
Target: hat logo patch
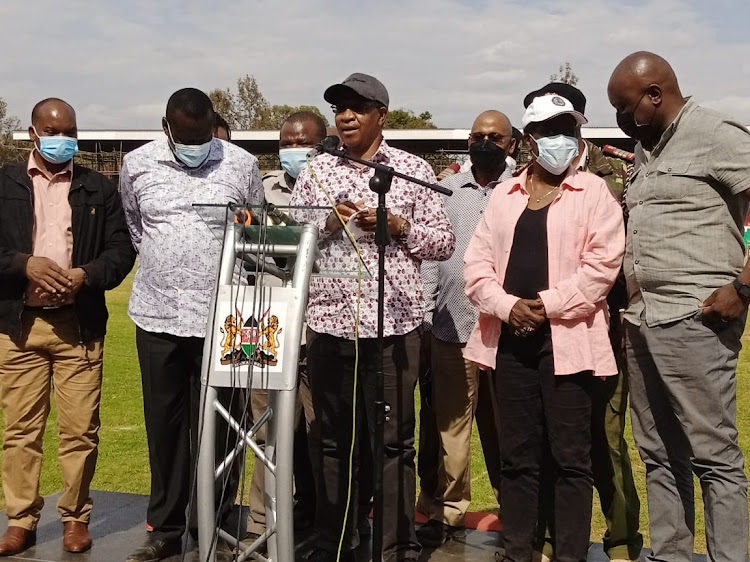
{"x": 557, "y": 100}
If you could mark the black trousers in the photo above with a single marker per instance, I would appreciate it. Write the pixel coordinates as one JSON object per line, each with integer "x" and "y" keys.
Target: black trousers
{"x": 330, "y": 363}
{"x": 540, "y": 411}
{"x": 170, "y": 374}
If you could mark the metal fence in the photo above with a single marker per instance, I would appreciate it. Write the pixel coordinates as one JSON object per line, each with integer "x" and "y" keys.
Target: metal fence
{"x": 110, "y": 162}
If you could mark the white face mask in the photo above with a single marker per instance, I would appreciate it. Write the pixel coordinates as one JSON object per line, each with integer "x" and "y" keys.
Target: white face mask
{"x": 556, "y": 153}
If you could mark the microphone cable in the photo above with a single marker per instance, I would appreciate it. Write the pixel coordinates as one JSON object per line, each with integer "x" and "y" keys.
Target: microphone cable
{"x": 357, "y": 249}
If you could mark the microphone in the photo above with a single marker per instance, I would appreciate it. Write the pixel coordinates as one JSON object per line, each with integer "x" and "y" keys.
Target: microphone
{"x": 328, "y": 144}
{"x": 278, "y": 216}
{"x": 449, "y": 171}
{"x": 610, "y": 150}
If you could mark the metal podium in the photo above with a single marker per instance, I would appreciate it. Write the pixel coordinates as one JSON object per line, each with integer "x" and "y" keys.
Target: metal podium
{"x": 253, "y": 341}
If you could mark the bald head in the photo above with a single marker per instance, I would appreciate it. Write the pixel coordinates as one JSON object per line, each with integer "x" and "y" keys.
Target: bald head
{"x": 645, "y": 93}
{"x": 493, "y": 120}
{"x": 642, "y": 69}
{"x": 490, "y": 141}
{"x": 51, "y": 109}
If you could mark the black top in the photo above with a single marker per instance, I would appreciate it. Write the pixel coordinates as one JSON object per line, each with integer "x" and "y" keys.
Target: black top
{"x": 528, "y": 271}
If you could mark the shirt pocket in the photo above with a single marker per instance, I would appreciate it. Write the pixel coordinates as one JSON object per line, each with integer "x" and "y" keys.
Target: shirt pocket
{"x": 672, "y": 179}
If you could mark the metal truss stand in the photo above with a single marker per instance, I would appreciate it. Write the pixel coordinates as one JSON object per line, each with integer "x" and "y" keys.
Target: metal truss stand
{"x": 277, "y": 455}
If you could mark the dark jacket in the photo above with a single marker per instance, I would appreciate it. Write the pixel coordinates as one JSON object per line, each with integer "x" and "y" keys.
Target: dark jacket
{"x": 101, "y": 245}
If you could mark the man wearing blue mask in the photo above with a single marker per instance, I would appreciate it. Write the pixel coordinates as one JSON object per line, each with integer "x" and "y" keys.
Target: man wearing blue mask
{"x": 63, "y": 242}
{"x": 179, "y": 259}
{"x": 298, "y": 135}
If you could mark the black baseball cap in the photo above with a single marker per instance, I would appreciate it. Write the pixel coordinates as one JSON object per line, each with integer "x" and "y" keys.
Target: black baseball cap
{"x": 570, "y": 93}
{"x": 364, "y": 85}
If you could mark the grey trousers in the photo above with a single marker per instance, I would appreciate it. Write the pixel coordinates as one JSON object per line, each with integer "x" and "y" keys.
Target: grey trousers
{"x": 683, "y": 392}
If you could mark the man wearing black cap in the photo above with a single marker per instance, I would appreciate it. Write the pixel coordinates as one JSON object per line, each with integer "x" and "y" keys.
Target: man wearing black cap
{"x": 613, "y": 474}
{"x": 420, "y": 230}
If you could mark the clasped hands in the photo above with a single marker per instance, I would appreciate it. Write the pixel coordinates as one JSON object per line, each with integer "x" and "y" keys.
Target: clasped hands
{"x": 53, "y": 283}
{"x": 366, "y": 218}
{"x": 526, "y": 316}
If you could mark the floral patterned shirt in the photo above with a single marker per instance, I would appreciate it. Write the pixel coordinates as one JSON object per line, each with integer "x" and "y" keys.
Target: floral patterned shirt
{"x": 178, "y": 252}
{"x": 332, "y": 302}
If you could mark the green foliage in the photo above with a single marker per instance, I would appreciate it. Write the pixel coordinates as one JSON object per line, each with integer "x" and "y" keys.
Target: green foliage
{"x": 9, "y": 150}
{"x": 406, "y": 119}
{"x": 247, "y": 108}
{"x": 565, "y": 74}
{"x": 279, "y": 114}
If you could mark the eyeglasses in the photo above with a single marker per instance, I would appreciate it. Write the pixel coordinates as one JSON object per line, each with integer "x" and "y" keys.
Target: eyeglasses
{"x": 493, "y": 137}
{"x": 357, "y": 106}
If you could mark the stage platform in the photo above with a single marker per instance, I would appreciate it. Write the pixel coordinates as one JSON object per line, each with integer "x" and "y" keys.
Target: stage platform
{"x": 118, "y": 528}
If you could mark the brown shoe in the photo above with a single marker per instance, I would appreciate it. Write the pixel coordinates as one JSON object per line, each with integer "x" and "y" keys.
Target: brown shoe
{"x": 76, "y": 536}
{"x": 15, "y": 540}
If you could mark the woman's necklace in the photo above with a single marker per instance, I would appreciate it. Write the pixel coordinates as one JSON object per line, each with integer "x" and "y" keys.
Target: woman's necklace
{"x": 539, "y": 199}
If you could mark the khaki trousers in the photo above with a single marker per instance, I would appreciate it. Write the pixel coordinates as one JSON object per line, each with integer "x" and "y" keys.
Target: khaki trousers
{"x": 49, "y": 356}
{"x": 455, "y": 396}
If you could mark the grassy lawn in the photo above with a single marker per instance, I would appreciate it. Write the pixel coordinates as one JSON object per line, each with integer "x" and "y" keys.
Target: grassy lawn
{"x": 123, "y": 456}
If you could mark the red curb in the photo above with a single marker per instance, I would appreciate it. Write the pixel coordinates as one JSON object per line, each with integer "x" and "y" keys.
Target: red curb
{"x": 474, "y": 520}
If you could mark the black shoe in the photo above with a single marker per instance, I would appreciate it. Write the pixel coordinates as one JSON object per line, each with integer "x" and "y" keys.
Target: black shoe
{"x": 363, "y": 528}
{"x": 155, "y": 549}
{"x": 436, "y": 533}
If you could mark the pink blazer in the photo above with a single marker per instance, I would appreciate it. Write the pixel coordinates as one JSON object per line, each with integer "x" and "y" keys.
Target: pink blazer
{"x": 586, "y": 243}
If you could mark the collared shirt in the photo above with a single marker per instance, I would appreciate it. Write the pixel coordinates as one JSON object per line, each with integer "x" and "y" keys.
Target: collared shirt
{"x": 687, "y": 212}
{"x": 449, "y": 313}
{"x": 331, "y": 307}
{"x": 178, "y": 253}
{"x": 53, "y": 229}
{"x": 585, "y": 247}
{"x": 277, "y": 188}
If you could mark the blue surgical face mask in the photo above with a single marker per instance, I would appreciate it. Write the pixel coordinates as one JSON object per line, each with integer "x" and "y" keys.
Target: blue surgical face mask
{"x": 556, "y": 153}
{"x": 192, "y": 155}
{"x": 293, "y": 160}
{"x": 57, "y": 149}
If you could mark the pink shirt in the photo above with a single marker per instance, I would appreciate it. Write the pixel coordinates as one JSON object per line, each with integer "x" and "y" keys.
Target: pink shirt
{"x": 586, "y": 243}
{"x": 53, "y": 230}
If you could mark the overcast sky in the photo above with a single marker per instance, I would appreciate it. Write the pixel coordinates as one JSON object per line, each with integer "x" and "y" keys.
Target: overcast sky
{"x": 117, "y": 61}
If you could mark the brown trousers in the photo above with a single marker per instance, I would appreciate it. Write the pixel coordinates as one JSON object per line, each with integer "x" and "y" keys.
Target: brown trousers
{"x": 49, "y": 357}
{"x": 460, "y": 391}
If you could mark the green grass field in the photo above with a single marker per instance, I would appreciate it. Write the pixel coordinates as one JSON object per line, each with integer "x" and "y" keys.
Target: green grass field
{"x": 123, "y": 456}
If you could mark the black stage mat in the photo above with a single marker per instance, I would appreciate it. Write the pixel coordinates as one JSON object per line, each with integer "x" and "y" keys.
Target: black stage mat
{"x": 118, "y": 528}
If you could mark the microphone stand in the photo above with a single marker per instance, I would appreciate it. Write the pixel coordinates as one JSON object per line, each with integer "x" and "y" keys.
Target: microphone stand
{"x": 380, "y": 183}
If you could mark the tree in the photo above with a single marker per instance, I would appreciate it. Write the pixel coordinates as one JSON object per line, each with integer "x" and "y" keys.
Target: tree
{"x": 246, "y": 108}
{"x": 9, "y": 150}
{"x": 565, "y": 74}
{"x": 406, "y": 119}
{"x": 223, "y": 105}
{"x": 279, "y": 113}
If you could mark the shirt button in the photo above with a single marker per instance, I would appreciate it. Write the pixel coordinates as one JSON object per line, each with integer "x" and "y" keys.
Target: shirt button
{"x": 640, "y": 202}
{"x": 635, "y": 232}
{"x": 636, "y": 261}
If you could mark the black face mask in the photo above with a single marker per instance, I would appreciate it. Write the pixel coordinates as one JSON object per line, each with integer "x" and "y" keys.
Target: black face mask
{"x": 627, "y": 124}
{"x": 486, "y": 155}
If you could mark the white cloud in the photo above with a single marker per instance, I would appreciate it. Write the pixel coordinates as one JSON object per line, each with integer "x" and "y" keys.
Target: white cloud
{"x": 117, "y": 62}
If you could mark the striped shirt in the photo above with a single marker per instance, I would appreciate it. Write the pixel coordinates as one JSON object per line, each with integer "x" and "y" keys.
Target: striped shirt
{"x": 448, "y": 311}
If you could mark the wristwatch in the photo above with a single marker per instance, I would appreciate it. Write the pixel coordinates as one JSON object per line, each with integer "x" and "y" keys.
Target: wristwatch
{"x": 742, "y": 290}
{"x": 404, "y": 229}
